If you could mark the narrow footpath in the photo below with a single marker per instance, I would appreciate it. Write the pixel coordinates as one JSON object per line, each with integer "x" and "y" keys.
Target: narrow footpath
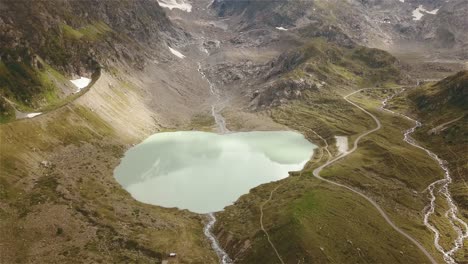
{"x": 279, "y": 186}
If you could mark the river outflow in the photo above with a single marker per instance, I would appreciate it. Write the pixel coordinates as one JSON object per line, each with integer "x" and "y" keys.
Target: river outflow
{"x": 222, "y": 255}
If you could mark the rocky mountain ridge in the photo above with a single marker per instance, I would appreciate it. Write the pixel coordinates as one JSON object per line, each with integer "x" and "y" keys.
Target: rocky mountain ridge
{"x": 376, "y": 23}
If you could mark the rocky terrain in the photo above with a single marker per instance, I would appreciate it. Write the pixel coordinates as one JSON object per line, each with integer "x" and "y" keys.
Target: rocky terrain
{"x": 276, "y": 65}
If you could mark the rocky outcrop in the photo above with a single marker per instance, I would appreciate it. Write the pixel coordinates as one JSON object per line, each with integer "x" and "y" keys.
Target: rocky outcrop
{"x": 282, "y": 91}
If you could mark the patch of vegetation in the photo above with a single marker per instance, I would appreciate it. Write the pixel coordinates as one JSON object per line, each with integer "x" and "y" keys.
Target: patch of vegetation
{"x": 202, "y": 122}
{"x": 64, "y": 101}
{"x": 70, "y": 32}
{"x": 19, "y": 82}
{"x": 448, "y": 94}
{"x": 92, "y": 32}
{"x": 7, "y": 112}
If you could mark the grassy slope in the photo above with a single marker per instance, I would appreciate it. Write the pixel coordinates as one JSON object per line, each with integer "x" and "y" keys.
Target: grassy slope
{"x": 306, "y": 215}
{"x": 73, "y": 210}
{"x": 357, "y": 66}
{"x": 434, "y": 105}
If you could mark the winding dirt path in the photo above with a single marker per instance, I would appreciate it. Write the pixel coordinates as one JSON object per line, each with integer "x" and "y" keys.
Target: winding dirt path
{"x": 261, "y": 222}
{"x": 277, "y": 187}
{"x": 317, "y": 171}
{"x": 443, "y": 126}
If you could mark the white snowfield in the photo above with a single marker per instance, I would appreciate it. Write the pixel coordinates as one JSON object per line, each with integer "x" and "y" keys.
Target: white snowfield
{"x": 177, "y": 53}
{"x": 433, "y": 12}
{"x": 31, "y": 115}
{"x": 81, "y": 83}
{"x": 281, "y": 28}
{"x": 419, "y": 12}
{"x": 183, "y": 5}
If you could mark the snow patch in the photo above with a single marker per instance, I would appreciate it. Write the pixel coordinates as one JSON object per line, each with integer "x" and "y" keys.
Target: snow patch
{"x": 281, "y": 28}
{"x": 177, "y": 4}
{"x": 342, "y": 143}
{"x": 433, "y": 12}
{"x": 31, "y": 115}
{"x": 419, "y": 12}
{"x": 177, "y": 53}
{"x": 81, "y": 83}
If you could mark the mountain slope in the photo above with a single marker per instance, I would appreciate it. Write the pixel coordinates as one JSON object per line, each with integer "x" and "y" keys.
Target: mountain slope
{"x": 385, "y": 24}
{"x": 449, "y": 96}
{"x": 443, "y": 109}
{"x": 46, "y": 43}
{"x": 59, "y": 201}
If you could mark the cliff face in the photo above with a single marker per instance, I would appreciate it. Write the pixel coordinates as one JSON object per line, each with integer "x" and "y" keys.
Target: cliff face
{"x": 41, "y": 42}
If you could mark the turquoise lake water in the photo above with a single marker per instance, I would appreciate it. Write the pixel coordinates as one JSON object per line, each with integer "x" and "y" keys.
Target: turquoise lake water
{"x": 204, "y": 172}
